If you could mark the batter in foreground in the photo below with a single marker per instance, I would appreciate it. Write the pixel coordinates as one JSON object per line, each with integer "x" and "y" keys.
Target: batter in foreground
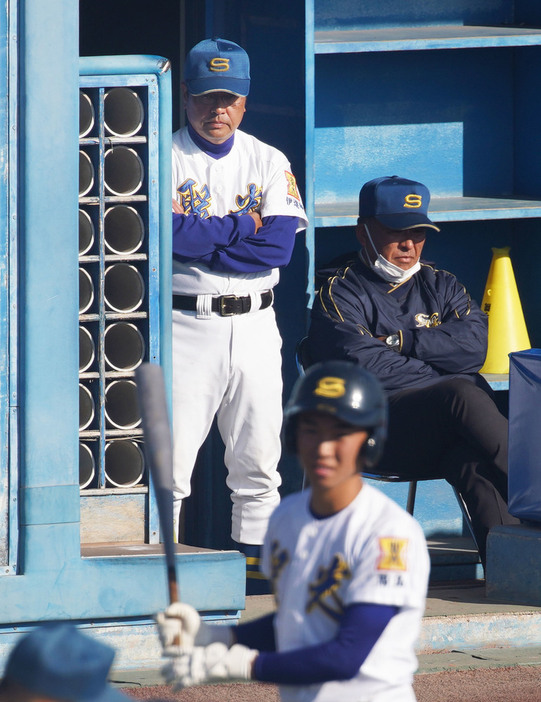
{"x": 349, "y": 567}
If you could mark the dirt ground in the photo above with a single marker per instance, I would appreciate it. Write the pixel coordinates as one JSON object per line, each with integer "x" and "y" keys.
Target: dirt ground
{"x": 509, "y": 684}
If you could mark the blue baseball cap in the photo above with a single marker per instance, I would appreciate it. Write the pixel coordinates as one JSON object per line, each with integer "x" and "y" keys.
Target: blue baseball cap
{"x": 58, "y": 661}
{"x": 217, "y": 65}
{"x": 396, "y": 202}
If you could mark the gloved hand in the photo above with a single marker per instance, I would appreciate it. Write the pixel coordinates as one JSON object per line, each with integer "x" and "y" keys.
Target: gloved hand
{"x": 210, "y": 664}
{"x": 180, "y": 628}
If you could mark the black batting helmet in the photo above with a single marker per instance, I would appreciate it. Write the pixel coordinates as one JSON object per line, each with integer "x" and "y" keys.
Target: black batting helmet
{"x": 343, "y": 390}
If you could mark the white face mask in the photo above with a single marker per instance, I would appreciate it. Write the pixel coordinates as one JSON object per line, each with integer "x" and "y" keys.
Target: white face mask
{"x": 387, "y": 270}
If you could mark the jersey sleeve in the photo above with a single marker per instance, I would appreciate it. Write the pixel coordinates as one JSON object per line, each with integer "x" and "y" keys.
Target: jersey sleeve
{"x": 270, "y": 247}
{"x": 197, "y": 239}
{"x": 281, "y": 194}
{"x": 230, "y": 244}
{"x": 257, "y": 633}
{"x": 337, "y": 659}
{"x": 392, "y": 567}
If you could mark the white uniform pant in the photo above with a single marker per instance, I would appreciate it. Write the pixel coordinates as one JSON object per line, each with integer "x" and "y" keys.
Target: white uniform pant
{"x": 230, "y": 367}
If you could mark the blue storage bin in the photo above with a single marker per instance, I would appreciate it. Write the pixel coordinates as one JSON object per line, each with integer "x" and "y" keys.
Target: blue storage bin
{"x": 525, "y": 435}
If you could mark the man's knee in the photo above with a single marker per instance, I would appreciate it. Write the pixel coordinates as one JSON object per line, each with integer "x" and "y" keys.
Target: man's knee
{"x": 459, "y": 395}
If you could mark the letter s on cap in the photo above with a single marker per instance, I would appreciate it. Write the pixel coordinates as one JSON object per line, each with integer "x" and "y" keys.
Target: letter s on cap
{"x": 219, "y": 64}
{"x": 413, "y": 200}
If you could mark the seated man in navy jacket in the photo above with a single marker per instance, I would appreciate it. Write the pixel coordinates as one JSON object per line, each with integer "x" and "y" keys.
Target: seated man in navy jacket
{"x": 417, "y": 329}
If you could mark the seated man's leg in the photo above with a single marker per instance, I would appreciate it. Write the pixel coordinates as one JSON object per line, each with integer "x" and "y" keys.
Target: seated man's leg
{"x": 418, "y": 434}
{"x": 452, "y": 430}
{"x": 474, "y": 416}
{"x": 425, "y": 423}
{"x": 473, "y": 477}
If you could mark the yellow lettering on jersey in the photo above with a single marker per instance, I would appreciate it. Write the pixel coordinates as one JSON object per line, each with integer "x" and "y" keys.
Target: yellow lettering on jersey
{"x": 413, "y": 200}
{"x": 330, "y": 387}
{"x": 250, "y": 202}
{"x": 323, "y": 593}
{"x": 219, "y": 64}
{"x": 292, "y": 185}
{"x": 392, "y": 553}
{"x": 194, "y": 199}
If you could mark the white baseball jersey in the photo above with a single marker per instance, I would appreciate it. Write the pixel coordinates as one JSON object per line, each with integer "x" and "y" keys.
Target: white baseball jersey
{"x": 230, "y": 366}
{"x": 252, "y": 176}
{"x": 372, "y": 551}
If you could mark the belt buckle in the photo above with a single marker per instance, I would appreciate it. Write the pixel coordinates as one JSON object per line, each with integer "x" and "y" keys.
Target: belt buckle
{"x": 224, "y": 299}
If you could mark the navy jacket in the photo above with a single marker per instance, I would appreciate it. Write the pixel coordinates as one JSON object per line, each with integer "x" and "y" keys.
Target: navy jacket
{"x": 442, "y": 330}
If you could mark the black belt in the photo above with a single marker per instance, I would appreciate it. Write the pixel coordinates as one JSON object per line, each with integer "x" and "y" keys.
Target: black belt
{"x": 225, "y": 305}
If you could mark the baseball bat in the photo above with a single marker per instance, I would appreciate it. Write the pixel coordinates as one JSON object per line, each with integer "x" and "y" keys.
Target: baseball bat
{"x": 159, "y": 455}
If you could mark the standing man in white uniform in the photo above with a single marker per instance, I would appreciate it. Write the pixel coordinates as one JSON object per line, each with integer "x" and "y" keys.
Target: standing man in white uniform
{"x": 349, "y": 567}
{"x": 236, "y": 210}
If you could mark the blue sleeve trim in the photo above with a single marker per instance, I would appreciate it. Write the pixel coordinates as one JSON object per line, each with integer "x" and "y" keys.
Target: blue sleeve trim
{"x": 338, "y": 659}
{"x": 230, "y": 244}
{"x": 195, "y": 238}
{"x": 258, "y": 634}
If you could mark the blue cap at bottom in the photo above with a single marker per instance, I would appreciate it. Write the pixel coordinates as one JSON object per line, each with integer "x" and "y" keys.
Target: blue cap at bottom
{"x": 58, "y": 661}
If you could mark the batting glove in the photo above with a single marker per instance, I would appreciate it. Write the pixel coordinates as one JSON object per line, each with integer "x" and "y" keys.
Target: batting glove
{"x": 180, "y": 628}
{"x": 214, "y": 663}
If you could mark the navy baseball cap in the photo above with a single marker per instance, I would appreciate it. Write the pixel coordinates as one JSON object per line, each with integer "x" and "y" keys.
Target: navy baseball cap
{"x": 60, "y": 662}
{"x": 396, "y": 202}
{"x": 217, "y": 65}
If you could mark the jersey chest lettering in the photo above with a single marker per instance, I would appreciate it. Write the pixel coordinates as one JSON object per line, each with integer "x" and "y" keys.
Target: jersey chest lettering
{"x": 323, "y": 592}
{"x": 248, "y": 202}
{"x": 197, "y": 199}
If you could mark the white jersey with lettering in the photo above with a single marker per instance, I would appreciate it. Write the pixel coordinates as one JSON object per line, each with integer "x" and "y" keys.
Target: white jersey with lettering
{"x": 372, "y": 551}
{"x": 252, "y": 176}
{"x": 230, "y": 366}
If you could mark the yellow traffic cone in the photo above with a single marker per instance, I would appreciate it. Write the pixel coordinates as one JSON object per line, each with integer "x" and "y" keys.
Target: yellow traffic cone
{"x": 506, "y": 326}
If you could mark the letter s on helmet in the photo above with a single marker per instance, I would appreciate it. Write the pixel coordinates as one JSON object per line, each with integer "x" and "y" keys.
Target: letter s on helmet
{"x": 343, "y": 390}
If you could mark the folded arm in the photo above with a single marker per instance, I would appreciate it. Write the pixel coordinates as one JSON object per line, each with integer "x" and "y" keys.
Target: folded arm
{"x": 348, "y": 323}
{"x": 341, "y": 328}
{"x": 459, "y": 343}
{"x": 234, "y": 243}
